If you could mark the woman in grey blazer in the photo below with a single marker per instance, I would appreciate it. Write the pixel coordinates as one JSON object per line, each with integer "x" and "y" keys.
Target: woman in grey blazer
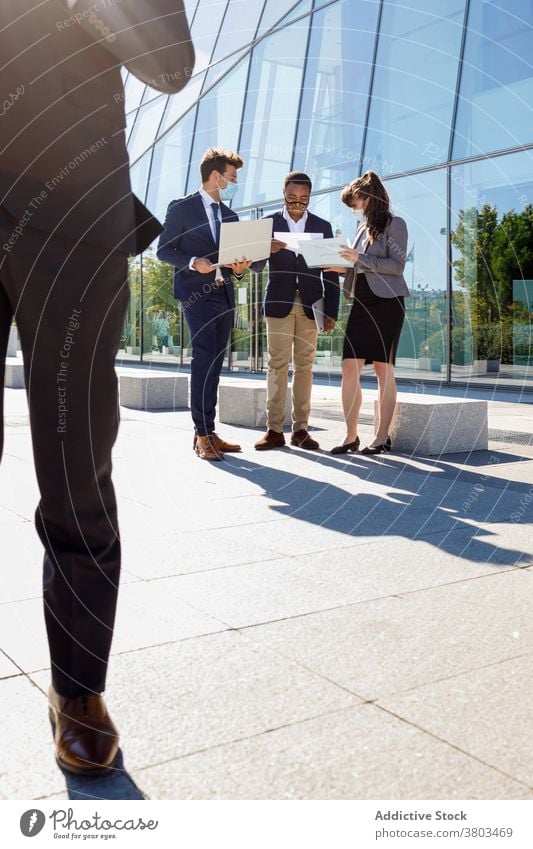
{"x": 377, "y": 286}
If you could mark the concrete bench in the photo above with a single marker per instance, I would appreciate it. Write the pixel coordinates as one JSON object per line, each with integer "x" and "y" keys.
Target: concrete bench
{"x": 435, "y": 425}
{"x": 154, "y": 391}
{"x": 13, "y": 342}
{"x": 14, "y": 373}
{"x": 246, "y": 405}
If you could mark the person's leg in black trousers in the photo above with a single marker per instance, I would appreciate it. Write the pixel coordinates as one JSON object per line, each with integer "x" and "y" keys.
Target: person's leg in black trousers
{"x": 69, "y": 302}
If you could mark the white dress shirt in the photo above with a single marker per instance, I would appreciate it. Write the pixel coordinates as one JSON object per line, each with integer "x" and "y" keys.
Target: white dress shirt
{"x": 295, "y": 226}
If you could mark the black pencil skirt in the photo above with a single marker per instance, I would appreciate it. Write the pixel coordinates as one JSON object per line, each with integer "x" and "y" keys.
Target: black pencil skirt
{"x": 374, "y": 325}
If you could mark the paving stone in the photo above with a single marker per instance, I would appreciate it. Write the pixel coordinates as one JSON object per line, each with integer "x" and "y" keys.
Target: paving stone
{"x": 292, "y": 586}
{"x": 485, "y": 712}
{"x": 176, "y": 699}
{"x": 19, "y": 492}
{"x": 149, "y": 614}
{"x": 21, "y": 573}
{"x": 23, "y": 634}
{"x": 7, "y": 668}
{"x": 399, "y": 643}
{"x": 163, "y": 556}
{"x": 359, "y": 753}
{"x": 28, "y": 767}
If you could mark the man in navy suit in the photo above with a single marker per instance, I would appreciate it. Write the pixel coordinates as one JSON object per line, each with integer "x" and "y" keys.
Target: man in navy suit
{"x": 190, "y": 243}
{"x": 291, "y": 327}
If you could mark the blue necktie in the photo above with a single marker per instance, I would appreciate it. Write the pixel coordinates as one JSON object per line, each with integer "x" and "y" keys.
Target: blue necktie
{"x": 215, "y": 207}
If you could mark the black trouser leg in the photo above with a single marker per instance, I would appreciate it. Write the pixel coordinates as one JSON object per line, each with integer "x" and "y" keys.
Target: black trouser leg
{"x": 70, "y": 308}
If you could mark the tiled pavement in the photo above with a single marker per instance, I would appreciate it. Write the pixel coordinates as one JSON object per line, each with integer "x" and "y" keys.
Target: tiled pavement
{"x": 294, "y": 625}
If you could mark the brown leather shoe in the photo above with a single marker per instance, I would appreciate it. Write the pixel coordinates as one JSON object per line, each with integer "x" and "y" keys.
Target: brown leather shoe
{"x": 302, "y": 439}
{"x": 85, "y": 737}
{"x": 271, "y": 439}
{"x": 207, "y": 449}
{"x": 222, "y": 445}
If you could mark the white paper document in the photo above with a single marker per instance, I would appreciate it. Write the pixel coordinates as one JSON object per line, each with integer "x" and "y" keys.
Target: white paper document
{"x": 249, "y": 239}
{"x": 319, "y": 314}
{"x": 322, "y": 253}
{"x": 292, "y": 239}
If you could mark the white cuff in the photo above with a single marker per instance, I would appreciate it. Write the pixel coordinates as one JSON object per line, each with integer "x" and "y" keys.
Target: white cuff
{"x": 191, "y": 263}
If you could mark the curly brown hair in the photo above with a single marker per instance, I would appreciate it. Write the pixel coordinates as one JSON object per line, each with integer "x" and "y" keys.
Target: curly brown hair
{"x": 377, "y": 212}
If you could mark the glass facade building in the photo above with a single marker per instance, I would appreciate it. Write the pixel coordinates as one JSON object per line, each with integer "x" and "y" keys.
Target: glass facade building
{"x": 434, "y": 95}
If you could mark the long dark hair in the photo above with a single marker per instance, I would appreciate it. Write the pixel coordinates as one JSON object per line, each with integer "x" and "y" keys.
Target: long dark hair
{"x": 378, "y": 212}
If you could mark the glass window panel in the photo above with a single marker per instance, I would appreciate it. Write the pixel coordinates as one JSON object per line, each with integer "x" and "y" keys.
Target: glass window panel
{"x": 421, "y": 200}
{"x": 219, "y": 118}
{"x": 496, "y": 95}
{"x": 162, "y": 313}
{"x": 179, "y": 103}
{"x": 169, "y": 167}
{"x": 145, "y": 128}
{"x": 238, "y": 28}
{"x": 190, "y": 9}
{"x": 150, "y": 94}
{"x": 139, "y": 175}
{"x": 222, "y": 66}
{"x": 134, "y": 90}
{"x": 335, "y": 92}
{"x": 492, "y": 259}
{"x": 204, "y": 30}
{"x": 414, "y": 85}
{"x": 275, "y": 10}
{"x": 273, "y": 97}
{"x": 131, "y": 117}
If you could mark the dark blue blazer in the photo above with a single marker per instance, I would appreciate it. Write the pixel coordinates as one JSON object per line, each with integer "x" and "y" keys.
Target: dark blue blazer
{"x": 285, "y": 268}
{"x": 187, "y": 233}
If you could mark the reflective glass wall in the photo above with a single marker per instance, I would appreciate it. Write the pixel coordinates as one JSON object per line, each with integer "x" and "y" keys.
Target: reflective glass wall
{"x": 435, "y": 95}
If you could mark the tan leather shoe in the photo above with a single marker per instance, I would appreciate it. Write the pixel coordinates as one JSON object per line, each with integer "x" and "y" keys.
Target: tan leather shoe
{"x": 271, "y": 439}
{"x": 85, "y": 737}
{"x": 302, "y": 439}
{"x": 207, "y": 449}
{"x": 222, "y": 445}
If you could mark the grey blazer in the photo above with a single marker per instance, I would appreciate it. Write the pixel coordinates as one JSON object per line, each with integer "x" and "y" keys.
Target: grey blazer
{"x": 382, "y": 261}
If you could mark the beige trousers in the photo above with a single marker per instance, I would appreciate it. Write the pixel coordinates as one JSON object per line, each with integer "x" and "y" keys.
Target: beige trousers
{"x": 293, "y": 337}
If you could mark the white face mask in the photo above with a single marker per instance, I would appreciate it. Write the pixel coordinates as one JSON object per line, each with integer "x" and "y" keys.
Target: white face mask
{"x": 358, "y": 216}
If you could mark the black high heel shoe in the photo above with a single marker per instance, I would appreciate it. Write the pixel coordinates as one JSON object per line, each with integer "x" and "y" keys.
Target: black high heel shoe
{"x": 378, "y": 449}
{"x": 351, "y": 447}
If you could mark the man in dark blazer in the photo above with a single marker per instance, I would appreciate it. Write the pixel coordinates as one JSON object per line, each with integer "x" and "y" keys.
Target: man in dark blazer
{"x": 292, "y": 331}
{"x": 68, "y": 220}
{"x": 190, "y": 243}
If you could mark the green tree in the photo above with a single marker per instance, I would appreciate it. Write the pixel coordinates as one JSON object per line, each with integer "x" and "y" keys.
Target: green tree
{"x": 474, "y": 240}
{"x": 512, "y": 255}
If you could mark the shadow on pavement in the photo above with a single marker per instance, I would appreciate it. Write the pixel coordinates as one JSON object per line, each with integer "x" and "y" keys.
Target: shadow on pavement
{"x": 421, "y": 499}
{"x": 117, "y": 784}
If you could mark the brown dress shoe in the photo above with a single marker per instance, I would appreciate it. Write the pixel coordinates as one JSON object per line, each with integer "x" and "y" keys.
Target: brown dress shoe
{"x": 85, "y": 737}
{"x": 207, "y": 448}
{"x": 222, "y": 445}
{"x": 271, "y": 439}
{"x": 302, "y": 439}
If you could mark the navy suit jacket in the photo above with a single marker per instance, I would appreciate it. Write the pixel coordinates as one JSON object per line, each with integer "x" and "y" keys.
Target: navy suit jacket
{"x": 288, "y": 272}
{"x": 187, "y": 233}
